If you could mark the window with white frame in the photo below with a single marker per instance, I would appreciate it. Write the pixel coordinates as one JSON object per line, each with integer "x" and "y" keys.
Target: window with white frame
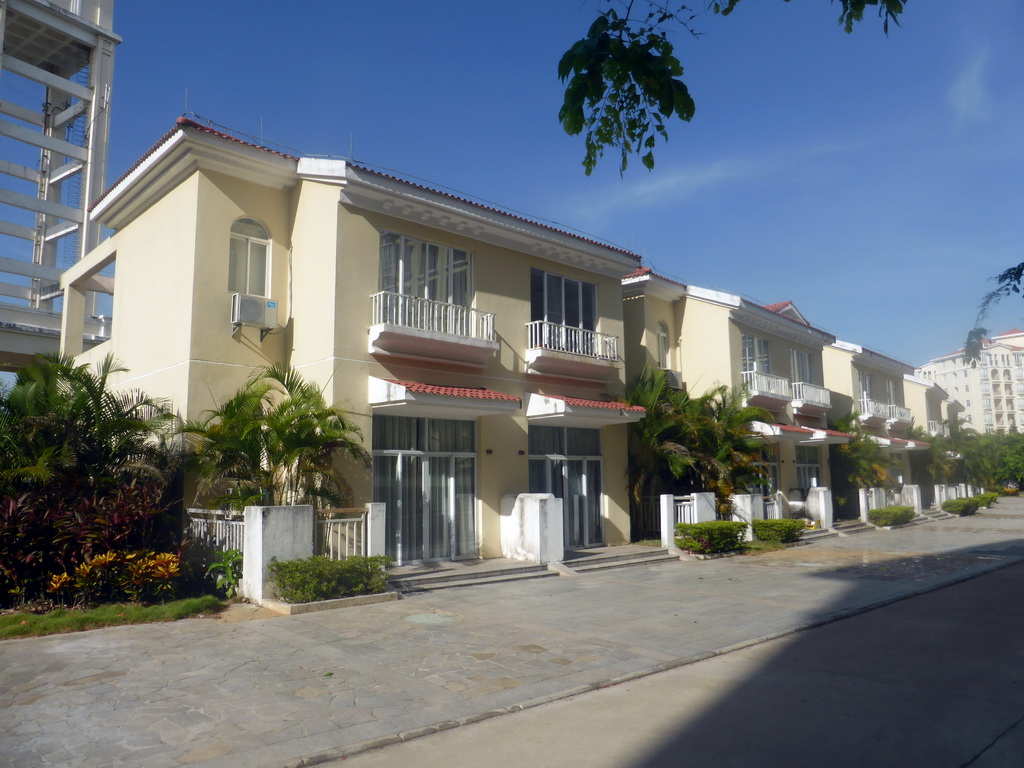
{"x": 562, "y": 300}
{"x": 412, "y": 267}
{"x": 867, "y": 385}
{"x": 249, "y": 258}
{"x": 892, "y": 392}
{"x": 662, "y": 347}
{"x": 756, "y": 354}
{"x": 808, "y": 467}
{"x": 801, "y": 366}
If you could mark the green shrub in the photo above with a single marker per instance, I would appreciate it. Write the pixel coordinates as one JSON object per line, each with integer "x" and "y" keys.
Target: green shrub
{"x": 891, "y": 515}
{"x": 320, "y": 578}
{"x": 786, "y": 531}
{"x": 960, "y": 507}
{"x": 710, "y": 538}
{"x": 986, "y": 499}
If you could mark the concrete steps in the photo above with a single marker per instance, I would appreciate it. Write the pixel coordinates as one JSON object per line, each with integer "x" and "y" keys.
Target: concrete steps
{"x": 851, "y": 527}
{"x": 936, "y": 514}
{"x": 462, "y": 578}
{"x": 582, "y": 562}
{"x": 818, "y": 534}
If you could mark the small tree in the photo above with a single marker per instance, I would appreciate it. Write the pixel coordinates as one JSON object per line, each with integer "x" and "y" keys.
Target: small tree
{"x": 275, "y": 441}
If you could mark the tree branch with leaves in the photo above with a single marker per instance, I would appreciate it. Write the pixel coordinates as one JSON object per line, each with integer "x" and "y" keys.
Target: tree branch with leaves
{"x": 623, "y": 79}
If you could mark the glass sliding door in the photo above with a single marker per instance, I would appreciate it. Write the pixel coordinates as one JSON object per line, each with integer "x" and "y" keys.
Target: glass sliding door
{"x": 566, "y": 463}
{"x": 424, "y": 470}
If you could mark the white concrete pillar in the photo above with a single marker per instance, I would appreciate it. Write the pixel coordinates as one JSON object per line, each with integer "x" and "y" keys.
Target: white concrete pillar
{"x": 72, "y": 322}
{"x": 877, "y": 498}
{"x": 912, "y": 498}
{"x": 864, "y": 502}
{"x": 376, "y": 536}
{"x": 532, "y": 528}
{"x": 819, "y": 506}
{"x": 667, "y": 513}
{"x": 940, "y": 495}
{"x": 747, "y": 507}
{"x": 282, "y": 532}
{"x": 704, "y": 507}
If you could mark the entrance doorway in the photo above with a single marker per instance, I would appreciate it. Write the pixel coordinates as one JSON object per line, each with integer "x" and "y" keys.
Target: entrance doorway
{"x": 566, "y": 462}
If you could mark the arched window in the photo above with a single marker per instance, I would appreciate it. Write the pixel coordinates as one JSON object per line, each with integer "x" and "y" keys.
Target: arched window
{"x": 662, "y": 348}
{"x": 249, "y": 259}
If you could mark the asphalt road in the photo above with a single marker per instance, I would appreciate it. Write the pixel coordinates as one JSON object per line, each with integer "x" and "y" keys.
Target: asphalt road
{"x": 935, "y": 681}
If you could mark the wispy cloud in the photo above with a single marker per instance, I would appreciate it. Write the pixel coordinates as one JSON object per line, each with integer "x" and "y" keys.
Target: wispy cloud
{"x": 968, "y": 95}
{"x": 667, "y": 187}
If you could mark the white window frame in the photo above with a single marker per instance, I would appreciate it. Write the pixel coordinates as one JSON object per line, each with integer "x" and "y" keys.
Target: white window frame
{"x": 664, "y": 355}
{"x": 756, "y": 354}
{"x": 248, "y": 241}
{"x": 442, "y": 281}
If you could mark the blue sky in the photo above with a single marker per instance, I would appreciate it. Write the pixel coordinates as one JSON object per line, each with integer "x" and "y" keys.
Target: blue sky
{"x": 876, "y": 181}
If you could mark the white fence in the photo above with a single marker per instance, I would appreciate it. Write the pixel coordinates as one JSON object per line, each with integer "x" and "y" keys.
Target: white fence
{"x": 696, "y": 508}
{"x": 576, "y": 341}
{"x": 211, "y": 532}
{"x": 436, "y": 316}
{"x": 341, "y": 533}
{"x": 811, "y": 393}
{"x": 766, "y": 384}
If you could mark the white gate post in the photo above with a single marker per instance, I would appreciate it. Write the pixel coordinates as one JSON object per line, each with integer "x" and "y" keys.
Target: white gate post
{"x": 704, "y": 507}
{"x": 282, "y": 532}
{"x": 746, "y": 508}
{"x": 532, "y": 528}
{"x": 376, "y": 528}
{"x": 865, "y": 503}
{"x": 912, "y": 497}
{"x": 819, "y": 505}
{"x": 667, "y": 512}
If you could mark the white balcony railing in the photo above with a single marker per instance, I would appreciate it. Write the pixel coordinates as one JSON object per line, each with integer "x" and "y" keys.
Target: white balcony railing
{"x": 811, "y": 393}
{"x": 432, "y": 316}
{"x": 938, "y": 428}
{"x": 758, "y": 383}
{"x": 873, "y": 409}
{"x": 899, "y": 413}
{"x": 575, "y": 341}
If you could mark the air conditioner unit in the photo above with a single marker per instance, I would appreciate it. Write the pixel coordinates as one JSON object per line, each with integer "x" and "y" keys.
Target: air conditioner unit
{"x": 253, "y": 310}
{"x": 674, "y": 379}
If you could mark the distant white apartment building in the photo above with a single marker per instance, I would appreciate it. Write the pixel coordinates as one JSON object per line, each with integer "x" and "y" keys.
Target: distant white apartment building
{"x": 992, "y": 391}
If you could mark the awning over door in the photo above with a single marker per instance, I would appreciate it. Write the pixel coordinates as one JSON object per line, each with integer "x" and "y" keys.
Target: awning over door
{"x": 561, "y": 411}
{"x": 411, "y": 398}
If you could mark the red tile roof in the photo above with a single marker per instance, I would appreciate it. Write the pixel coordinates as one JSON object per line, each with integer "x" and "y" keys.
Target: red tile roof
{"x": 645, "y": 271}
{"x": 778, "y": 306}
{"x": 180, "y": 124}
{"x": 1011, "y": 332}
{"x": 492, "y": 209}
{"x": 609, "y": 404}
{"x": 836, "y": 433}
{"x": 478, "y": 393}
{"x": 791, "y": 428}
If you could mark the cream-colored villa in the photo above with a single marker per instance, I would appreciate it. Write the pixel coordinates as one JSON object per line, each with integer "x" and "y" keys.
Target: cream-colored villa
{"x": 478, "y": 352}
{"x": 803, "y": 376}
{"x": 483, "y": 356}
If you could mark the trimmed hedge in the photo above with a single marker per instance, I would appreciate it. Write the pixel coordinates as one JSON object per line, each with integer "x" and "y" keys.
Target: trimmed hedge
{"x": 986, "y": 499}
{"x": 710, "y": 538}
{"x": 960, "y": 507}
{"x": 320, "y": 578}
{"x": 786, "y": 531}
{"x": 891, "y": 515}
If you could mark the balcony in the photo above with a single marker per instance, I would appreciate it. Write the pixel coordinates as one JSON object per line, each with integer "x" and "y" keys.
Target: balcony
{"x": 409, "y": 326}
{"x": 563, "y": 350}
{"x": 873, "y": 412}
{"x": 810, "y": 398}
{"x": 899, "y": 415}
{"x": 766, "y": 390}
{"x": 938, "y": 429}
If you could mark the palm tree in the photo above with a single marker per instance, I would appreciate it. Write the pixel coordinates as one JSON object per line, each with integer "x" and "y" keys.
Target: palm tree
{"x": 64, "y": 430}
{"x": 704, "y": 442}
{"x": 732, "y": 454}
{"x": 275, "y": 441}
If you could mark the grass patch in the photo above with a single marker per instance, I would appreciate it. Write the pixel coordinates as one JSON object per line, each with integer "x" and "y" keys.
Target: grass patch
{"x": 648, "y": 543}
{"x": 760, "y": 547}
{"x": 112, "y": 615}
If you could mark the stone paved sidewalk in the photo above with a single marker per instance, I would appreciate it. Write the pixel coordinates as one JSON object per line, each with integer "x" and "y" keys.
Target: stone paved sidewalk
{"x": 277, "y": 692}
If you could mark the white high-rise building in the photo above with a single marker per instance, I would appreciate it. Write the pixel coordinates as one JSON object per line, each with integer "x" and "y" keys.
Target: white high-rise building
{"x": 991, "y": 391}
